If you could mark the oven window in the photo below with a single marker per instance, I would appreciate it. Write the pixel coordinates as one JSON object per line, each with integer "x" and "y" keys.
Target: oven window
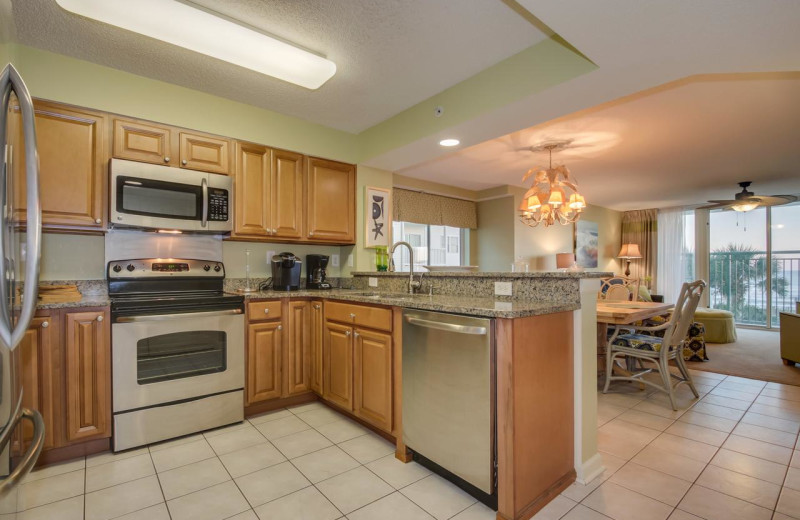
{"x": 158, "y": 198}
{"x": 180, "y": 354}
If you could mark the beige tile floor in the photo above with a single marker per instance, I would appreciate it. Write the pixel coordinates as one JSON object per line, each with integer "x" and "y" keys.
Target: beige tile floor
{"x": 307, "y": 462}
{"x": 733, "y": 454}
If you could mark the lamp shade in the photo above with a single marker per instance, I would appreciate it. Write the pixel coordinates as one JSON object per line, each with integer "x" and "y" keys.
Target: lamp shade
{"x": 629, "y": 251}
{"x": 564, "y": 260}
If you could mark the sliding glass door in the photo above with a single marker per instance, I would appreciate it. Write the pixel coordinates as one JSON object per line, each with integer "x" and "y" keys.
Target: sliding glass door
{"x": 785, "y": 264}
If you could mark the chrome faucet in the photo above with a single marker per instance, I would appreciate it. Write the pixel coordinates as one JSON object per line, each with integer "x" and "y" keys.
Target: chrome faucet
{"x": 412, "y": 284}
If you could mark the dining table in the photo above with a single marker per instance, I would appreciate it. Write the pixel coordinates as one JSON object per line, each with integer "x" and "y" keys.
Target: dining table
{"x": 614, "y": 313}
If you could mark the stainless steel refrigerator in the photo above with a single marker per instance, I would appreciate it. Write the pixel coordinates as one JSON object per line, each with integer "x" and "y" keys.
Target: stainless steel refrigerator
{"x": 20, "y": 243}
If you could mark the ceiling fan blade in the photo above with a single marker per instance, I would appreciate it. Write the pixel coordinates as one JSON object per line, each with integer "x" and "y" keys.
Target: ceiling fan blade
{"x": 774, "y": 200}
{"x": 715, "y": 206}
{"x": 724, "y": 202}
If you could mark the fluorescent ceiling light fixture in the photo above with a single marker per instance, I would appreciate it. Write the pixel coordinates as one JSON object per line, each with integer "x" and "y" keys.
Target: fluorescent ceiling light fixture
{"x": 180, "y": 24}
{"x": 449, "y": 142}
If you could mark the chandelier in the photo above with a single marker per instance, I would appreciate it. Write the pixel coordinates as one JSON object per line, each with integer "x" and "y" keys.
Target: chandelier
{"x": 553, "y": 196}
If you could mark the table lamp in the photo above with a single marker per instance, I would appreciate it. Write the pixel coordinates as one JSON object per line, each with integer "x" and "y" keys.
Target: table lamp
{"x": 565, "y": 260}
{"x": 629, "y": 252}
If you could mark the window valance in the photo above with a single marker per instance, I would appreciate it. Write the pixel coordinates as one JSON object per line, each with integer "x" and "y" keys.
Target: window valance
{"x": 436, "y": 210}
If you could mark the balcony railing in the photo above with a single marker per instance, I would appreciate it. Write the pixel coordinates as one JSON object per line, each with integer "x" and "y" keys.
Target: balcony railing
{"x": 738, "y": 283}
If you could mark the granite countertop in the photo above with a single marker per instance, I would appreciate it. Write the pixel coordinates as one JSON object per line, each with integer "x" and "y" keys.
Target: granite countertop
{"x": 495, "y": 274}
{"x": 485, "y": 307}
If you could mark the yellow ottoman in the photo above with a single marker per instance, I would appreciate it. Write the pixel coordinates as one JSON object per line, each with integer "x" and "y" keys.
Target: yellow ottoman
{"x": 720, "y": 327}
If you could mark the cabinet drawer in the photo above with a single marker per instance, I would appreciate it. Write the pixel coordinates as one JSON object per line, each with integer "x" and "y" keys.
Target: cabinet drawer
{"x": 379, "y": 318}
{"x": 260, "y": 311}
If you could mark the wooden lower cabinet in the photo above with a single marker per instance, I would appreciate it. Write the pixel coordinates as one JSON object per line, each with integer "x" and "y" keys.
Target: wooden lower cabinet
{"x": 338, "y": 364}
{"x": 317, "y": 324}
{"x": 298, "y": 359}
{"x": 264, "y": 344}
{"x": 37, "y": 357}
{"x": 373, "y": 377}
{"x": 87, "y": 363}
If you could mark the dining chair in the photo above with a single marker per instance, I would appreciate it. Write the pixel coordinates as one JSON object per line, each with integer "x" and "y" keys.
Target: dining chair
{"x": 658, "y": 351}
{"x": 619, "y": 288}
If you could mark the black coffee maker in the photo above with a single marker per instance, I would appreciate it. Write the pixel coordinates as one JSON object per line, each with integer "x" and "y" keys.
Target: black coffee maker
{"x": 315, "y": 272}
{"x": 286, "y": 272}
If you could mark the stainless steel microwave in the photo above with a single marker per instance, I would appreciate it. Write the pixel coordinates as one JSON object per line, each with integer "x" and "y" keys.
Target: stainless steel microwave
{"x": 149, "y": 196}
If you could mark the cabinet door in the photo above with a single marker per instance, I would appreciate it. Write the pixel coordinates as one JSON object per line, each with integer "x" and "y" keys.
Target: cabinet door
{"x": 252, "y": 187}
{"x": 316, "y": 346}
{"x": 331, "y": 201}
{"x": 144, "y": 142}
{"x": 287, "y": 194}
{"x": 88, "y": 375}
{"x": 206, "y": 153}
{"x": 338, "y": 353}
{"x": 264, "y": 342}
{"x": 72, "y": 151}
{"x": 373, "y": 377}
{"x": 298, "y": 359}
{"x": 37, "y": 354}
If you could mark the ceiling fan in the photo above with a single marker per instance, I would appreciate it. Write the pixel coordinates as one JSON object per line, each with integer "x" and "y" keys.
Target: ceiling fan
{"x": 747, "y": 200}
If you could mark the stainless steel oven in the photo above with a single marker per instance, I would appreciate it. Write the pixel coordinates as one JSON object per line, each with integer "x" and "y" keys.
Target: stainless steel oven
{"x": 177, "y": 350}
{"x": 149, "y": 196}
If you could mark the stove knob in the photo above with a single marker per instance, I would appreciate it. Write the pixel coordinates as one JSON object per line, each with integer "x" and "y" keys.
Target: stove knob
{"x": 206, "y": 267}
{"x": 216, "y": 268}
{"x": 130, "y": 267}
{"x": 117, "y": 268}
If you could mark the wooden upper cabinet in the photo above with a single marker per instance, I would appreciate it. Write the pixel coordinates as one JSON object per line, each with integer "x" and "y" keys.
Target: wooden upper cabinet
{"x": 264, "y": 343}
{"x": 286, "y": 210}
{"x": 331, "y": 203}
{"x": 373, "y": 378}
{"x": 144, "y": 142}
{"x": 205, "y": 153}
{"x": 317, "y": 325}
{"x": 298, "y": 355}
{"x": 71, "y": 143}
{"x": 88, "y": 375}
{"x": 38, "y": 357}
{"x": 337, "y": 381}
{"x": 252, "y": 190}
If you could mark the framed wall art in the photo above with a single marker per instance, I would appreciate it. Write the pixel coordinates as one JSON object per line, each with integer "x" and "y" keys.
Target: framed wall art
{"x": 377, "y": 217}
{"x": 587, "y": 243}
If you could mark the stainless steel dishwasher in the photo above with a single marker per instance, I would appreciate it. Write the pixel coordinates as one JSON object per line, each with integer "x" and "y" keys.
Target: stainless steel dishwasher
{"x": 449, "y": 395}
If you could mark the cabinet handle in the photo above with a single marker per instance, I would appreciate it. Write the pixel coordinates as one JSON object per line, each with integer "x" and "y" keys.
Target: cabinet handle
{"x": 45, "y": 324}
{"x": 280, "y": 327}
{"x": 184, "y": 162}
{"x": 274, "y": 231}
{"x": 97, "y": 221}
{"x": 347, "y": 333}
{"x": 100, "y": 318}
{"x": 316, "y": 306}
{"x": 352, "y": 316}
{"x": 166, "y": 159}
{"x": 266, "y": 311}
{"x": 311, "y": 233}
{"x": 355, "y": 334}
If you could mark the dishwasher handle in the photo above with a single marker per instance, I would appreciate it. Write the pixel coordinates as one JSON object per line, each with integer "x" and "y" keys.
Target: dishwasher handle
{"x": 449, "y": 327}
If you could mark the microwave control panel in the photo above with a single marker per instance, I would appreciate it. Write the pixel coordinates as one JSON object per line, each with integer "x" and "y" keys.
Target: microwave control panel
{"x": 217, "y": 205}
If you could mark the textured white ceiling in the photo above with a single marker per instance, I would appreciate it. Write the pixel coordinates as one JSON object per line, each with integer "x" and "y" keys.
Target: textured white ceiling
{"x": 680, "y": 144}
{"x": 390, "y": 54}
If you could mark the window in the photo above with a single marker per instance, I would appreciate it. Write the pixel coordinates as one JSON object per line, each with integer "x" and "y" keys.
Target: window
{"x": 433, "y": 245}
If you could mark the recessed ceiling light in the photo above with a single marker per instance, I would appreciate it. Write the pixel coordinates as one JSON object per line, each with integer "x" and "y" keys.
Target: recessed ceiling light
{"x": 449, "y": 142}
{"x": 177, "y": 23}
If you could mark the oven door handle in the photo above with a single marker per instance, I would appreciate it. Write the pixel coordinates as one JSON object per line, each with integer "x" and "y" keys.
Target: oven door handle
{"x": 204, "y": 217}
{"x": 162, "y": 317}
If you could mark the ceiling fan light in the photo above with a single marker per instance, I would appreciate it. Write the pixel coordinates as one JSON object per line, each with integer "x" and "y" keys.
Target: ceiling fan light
{"x": 742, "y": 208}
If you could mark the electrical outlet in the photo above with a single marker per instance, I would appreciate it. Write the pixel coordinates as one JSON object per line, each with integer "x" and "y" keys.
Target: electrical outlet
{"x": 335, "y": 260}
{"x": 373, "y": 281}
{"x": 502, "y": 288}
{"x": 270, "y": 254}
{"x": 350, "y": 260}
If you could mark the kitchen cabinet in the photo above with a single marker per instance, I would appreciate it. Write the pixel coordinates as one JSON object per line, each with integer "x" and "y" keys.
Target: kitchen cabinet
{"x": 37, "y": 357}
{"x": 298, "y": 359}
{"x": 338, "y": 363}
{"x": 330, "y": 201}
{"x": 71, "y": 143}
{"x": 373, "y": 377}
{"x": 264, "y": 344}
{"x": 87, "y": 350}
{"x": 155, "y": 143}
{"x": 269, "y": 193}
{"x": 317, "y": 324}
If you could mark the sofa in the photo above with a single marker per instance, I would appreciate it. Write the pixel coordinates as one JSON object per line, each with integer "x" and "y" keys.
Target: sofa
{"x": 790, "y": 338}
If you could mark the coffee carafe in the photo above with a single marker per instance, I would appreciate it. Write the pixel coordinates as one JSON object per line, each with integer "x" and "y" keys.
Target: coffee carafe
{"x": 315, "y": 272}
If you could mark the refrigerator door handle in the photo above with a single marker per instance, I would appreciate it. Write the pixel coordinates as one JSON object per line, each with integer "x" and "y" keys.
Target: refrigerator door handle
{"x": 10, "y": 333}
{"x": 34, "y": 450}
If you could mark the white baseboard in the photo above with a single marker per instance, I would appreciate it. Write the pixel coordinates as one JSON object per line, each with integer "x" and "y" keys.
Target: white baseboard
{"x": 589, "y": 470}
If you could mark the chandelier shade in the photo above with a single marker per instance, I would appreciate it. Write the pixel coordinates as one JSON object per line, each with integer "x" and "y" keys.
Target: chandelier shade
{"x": 553, "y": 196}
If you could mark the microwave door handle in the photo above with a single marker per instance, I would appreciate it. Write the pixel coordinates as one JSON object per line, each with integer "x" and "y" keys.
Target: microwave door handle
{"x": 204, "y": 217}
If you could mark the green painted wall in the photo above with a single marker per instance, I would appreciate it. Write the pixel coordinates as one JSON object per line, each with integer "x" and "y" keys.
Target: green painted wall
{"x": 532, "y": 70}
{"x": 495, "y": 250}
{"x": 363, "y": 258}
